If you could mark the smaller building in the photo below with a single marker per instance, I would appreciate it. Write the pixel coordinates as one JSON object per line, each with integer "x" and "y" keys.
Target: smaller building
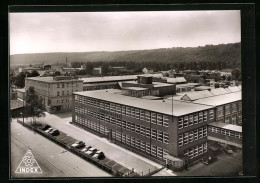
{"x": 97, "y": 71}
{"x": 47, "y": 67}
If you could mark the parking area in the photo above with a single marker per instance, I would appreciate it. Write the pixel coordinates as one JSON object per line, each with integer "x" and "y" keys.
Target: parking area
{"x": 105, "y": 163}
{"x": 126, "y": 158}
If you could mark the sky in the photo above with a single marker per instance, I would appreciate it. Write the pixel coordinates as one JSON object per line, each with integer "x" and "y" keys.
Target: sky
{"x": 116, "y": 31}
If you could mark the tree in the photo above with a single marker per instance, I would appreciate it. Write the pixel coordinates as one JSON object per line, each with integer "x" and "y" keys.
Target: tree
{"x": 33, "y": 105}
{"x": 57, "y": 73}
{"x": 19, "y": 80}
{"x": 236, "y": 73}
{"x": 34, "y": 74}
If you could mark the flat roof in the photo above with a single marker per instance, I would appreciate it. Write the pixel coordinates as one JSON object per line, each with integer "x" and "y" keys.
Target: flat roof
{"x": 160, "y": 106}
{"x": 115, "y": 78}
{"x": 224, "y": 141}
{"x": 227, "y": 126}
{"x": 151, "y": 97}
{"x": 203, "y": 87}
{"x": 135, "y": 88}
{"x": 220, "y": 99}
{"x": 50, "y": 79}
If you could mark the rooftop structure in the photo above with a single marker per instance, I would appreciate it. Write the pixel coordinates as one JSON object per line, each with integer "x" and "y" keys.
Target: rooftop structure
{"x": 179, "y": 108}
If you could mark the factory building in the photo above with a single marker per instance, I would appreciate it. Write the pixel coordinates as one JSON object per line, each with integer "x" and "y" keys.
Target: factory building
{"x": 168, "y": 131}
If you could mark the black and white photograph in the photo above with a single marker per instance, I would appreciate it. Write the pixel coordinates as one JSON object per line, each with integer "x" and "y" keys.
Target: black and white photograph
{"x": 125, "y": 94}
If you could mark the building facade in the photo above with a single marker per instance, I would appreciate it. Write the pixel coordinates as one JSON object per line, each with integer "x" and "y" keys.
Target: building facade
{"x": 166, "y": 131}
{"x": 56, "y": 92}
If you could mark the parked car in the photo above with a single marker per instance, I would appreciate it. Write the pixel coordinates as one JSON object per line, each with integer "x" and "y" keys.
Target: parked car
{"x": 49, "y": 130}
{"x": 99, "y": 155}
{"x": 91, "y": 151}
{"x": 78, "y": 144}
{"x": 54, "y": 132}
{"x": 85, "y": 149}
{"x": 45, "y": 127}
{"x": 228, "y": 150}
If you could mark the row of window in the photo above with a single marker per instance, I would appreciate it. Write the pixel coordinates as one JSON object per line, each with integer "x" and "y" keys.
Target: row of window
{"x": 192, "y": 136}
{"x": 196, "y": 151}
{"x": 225, "y": 132}
{"x": 150, "y": 117}
{"x": 124, "y": 138}
{"x": 62, "y": 101}
{"x": 193, "y": 119}
{"x": 63, "y": 93}
{"x": 229, "y": 109}
{"x": 130, "y": 126}
{"x": 68, "y": 85}
{"x": 235, "y": 119}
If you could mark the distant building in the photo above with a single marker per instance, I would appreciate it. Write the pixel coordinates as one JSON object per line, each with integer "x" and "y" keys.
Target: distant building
{"x": 147, "y": 71}
{"x": 97, "y": 71}
{"x": 47, "y": 67}
{"x": 20, "y": 93}
{"x": 55, "y": 91}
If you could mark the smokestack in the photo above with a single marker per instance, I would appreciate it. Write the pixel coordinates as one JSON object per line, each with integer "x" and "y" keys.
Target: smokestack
{"x": 66, "y": 62}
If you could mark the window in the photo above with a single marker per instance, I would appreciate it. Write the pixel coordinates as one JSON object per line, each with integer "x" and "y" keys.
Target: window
{"x": 234, "y": 119}
{"x": 132, "y": 127}
{"x": 62, "y": 101}
{"x": 137, "y": 114}
{"x": 191, "y": 137}
{"x": 147, "y": 116}
{"x": 200, "y": 117}
{"x": 112, "y": 107}
{"x": 200, "y": 133}
{"x": 195, "y": 134}
{"x": 205, "y": 131}
{"x": 137, "y": 128}
{"x": 166, "y": 138}
{"x": 239, "y": 117}
{"x": 159, "y": 136}
{"x": 195, "y": 118}
{"x": 154, "y": 150}
{"x": 227, "y": 119}
{"x": 128, "y": 111}
{"x": 148, "y": 131}
{"x": 128, "y": 125}
{"x": 159, "y": 119}
{"x": 123, "y": 124}
{"x": 128, "y": 140}
{"x": 185, "y": 121}
{"x": 154, "y": 134}
{"x": 205, "y": 116}
{"x": 118, "y": 122}
{"x": 234, "y": 107}
{"x": 143, "y": 146}
{"x": 191, "y": 120}
{"x": 142, "y": 129}
{"x": 133, "y": 141}
{"x": 165, "y": 121}
{"x": 137, "y": 143}
{"x": 123, "y": 138}
{"x": 186, "y": 138}
{"x": 62, "y": 85}
{"x": 107, "y": 106}
{"x": 211, "y": 114}
{"x": 219, "y": 111}
{"x": 58, "y": 85}
{"x": 153, "y": 118}
{"x": 123, "y": 110}
{"x": 227, "y": 109}
{"x": 118, "y": 109}
{"x": 180, "y": 140}
{"x": 68, "y": 85}
{"x": 180, "y": 123}
{"x": 132, "y": 112}
{"x": 148, "y": 148}
{"x": 141, "y": 114}
{"x": 159, "y": 152}
{"x": 76, "y": 97}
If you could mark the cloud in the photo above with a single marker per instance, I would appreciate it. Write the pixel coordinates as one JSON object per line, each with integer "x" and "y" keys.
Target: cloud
{"x": 111, "y": 31}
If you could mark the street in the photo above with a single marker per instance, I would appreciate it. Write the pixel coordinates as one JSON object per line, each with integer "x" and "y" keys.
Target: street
{"x": 52, "y": 159}
{"x": 122, "y": 156}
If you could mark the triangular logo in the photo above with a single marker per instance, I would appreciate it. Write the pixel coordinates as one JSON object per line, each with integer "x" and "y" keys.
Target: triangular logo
{"x": 28, "y": 164}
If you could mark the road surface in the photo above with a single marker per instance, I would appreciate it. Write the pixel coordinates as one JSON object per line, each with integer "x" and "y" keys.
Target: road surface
{"x": 54, "y": 160}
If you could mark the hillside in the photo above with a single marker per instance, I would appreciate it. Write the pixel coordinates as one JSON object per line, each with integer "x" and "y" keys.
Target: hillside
{"x": 228, "y": 53}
